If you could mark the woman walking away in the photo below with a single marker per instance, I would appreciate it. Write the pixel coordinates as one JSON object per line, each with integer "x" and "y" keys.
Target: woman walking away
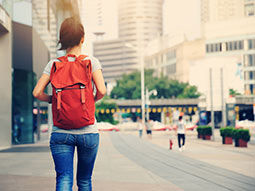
{"x": 181, "y": 133}
{"x": 73, "y": 107}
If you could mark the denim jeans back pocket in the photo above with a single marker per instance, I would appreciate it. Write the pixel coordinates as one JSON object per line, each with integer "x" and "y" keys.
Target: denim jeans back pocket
{"x": 59, "y": 138}
{"x": 91, "y": 140}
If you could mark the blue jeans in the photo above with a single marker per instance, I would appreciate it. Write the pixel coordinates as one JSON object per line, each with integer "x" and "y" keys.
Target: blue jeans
{"x": 62, "y": 147}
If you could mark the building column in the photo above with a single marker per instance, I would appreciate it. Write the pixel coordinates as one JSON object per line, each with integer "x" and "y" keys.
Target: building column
{"x": 5, "y": 80}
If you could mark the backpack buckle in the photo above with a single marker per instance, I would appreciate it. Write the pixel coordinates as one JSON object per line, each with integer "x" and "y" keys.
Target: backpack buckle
{"x": 58, "y": 90}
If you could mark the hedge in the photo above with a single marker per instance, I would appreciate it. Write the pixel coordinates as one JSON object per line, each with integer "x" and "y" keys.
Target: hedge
{"x": 226, "y": 131}
{"x": 243, "y": 134}
{"x": 204, "y": 130}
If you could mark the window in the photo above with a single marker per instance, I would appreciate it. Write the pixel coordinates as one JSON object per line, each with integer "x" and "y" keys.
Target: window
{"x": 170, "y": 55}
{"x": 215, "y": 47}
{"x": 171, "y": 69}
{"x": 207, "y": 48}
{"x": 251, "y": 88}
{"x": 234, "y": 45}
{"x": 249, "y": 9}
{"x": 251, "y": 60}
{"x": 251, "y": 43}
{"x": 251, "y": 75}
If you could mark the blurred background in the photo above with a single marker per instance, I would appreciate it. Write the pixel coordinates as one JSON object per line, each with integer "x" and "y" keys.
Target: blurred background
{"x": 160, "y": 59}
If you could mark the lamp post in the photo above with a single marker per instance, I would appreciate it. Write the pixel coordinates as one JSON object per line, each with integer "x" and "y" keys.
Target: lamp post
{"x": 147, "y": 96}
{"x": 141, "y": 60}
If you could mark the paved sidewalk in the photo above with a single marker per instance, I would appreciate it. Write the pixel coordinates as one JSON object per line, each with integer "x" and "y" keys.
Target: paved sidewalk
{"x": 126, "y": 163}
{"x": 184, "y": 172}
{"x": 240, "y": 160}
{"x": 30, "y": 167}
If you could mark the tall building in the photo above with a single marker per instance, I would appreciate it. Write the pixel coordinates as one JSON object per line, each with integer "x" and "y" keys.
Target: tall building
{"x": 44, "y": 22}
{"x": 5, "y": 73}
{"x": 27, "y": 42}
{"x": 171, "y": 56}
{"x": 99, "y": 19}
{"x": 222, "y": 10}
{"x": 228, "y": 28}
{"x": 115, "y": 57}
{"x": 139, "y": 21}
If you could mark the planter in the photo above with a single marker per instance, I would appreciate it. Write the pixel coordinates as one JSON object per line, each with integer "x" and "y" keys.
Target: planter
{"x": 228, "y": 140}
{"x": 242, "y": 143}
{"x": 223, "y": 140}
{"x": 236, "y": 142}
{"x": 207, "y": 137}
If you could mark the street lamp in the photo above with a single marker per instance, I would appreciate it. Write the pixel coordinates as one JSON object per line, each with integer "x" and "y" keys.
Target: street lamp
{"x": 147, "y": 96}
{"x": 141, "y": 60}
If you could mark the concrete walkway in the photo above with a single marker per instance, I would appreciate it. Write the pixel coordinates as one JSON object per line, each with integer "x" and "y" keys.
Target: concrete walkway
{"x": 126, "y": 163}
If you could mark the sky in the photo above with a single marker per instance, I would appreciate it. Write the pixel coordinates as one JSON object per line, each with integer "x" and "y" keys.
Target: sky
{"x": 179, "y": 17}
{"x": 182, "y": 17}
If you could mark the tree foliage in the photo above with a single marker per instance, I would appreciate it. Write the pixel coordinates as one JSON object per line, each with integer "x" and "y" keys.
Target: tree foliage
{"x": 106, "y": 117}
{"x": 129, "y": 87}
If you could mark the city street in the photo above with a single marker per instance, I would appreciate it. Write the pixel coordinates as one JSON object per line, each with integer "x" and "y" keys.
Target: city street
{"x": 126, "y": 163}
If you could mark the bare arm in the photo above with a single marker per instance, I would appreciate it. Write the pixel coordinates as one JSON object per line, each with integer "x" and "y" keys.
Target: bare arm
{"x": 38, "y": 91}
{"x": 100, "y": 85}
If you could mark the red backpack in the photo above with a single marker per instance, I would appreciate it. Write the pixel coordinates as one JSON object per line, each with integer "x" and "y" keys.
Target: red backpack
{"x": 73, "y": 104}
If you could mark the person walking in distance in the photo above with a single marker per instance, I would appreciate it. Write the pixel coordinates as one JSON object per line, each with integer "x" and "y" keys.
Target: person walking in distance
{"x": 73, "y": 78}
{"x": 140, "y": 126}
{"x": 181, "y": 133}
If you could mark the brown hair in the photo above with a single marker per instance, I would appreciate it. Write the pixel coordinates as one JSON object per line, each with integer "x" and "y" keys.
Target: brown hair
{"x": 71, "y": 33}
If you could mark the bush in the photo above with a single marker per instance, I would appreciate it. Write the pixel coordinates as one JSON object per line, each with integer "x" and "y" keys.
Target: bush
{"x": 207, "y": 130}
{"x": 105, "y": 117}
{"x": 226, "y": 131}
{"x": 243, "y": 134}
{"x": 235, "y": 133}
{"x": 204, "y": 130}
{"x": 199, "y": 130}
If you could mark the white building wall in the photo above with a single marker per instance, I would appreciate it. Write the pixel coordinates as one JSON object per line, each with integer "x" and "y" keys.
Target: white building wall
{"x": 200, "y": 77}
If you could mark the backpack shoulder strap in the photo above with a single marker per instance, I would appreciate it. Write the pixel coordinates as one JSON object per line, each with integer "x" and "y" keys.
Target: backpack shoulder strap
{"x": 63, "y": 59}
{"x": 81, "y": 57}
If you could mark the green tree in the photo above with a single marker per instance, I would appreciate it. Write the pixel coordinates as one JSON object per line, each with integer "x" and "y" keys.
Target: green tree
{"x": 129, "y": 87}
{"x": 190, "y": 92}
{"x": 106, "y": 117}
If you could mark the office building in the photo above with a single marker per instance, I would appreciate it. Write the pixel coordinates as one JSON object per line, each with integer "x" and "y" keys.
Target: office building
{"x": 171, "y": 56}
{"x": 139, "y": 22}
{"x": 99, "y": 19}
{"x": 24, "y": 52}
{"x": 5, "y": 73}
{"x": 228, "y": 28}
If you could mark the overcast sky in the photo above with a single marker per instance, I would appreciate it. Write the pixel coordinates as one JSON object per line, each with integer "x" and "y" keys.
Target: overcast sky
{"x": 179, "y": 17}
{"x": 182, "y": 17}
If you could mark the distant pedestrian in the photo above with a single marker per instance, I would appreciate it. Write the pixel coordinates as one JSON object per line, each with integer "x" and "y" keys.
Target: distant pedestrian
{"x": 73, "y": 106}
{"x": 148, "y": 125}
{"x": 140, "y": 126}
{"x": 181, "y": 133}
